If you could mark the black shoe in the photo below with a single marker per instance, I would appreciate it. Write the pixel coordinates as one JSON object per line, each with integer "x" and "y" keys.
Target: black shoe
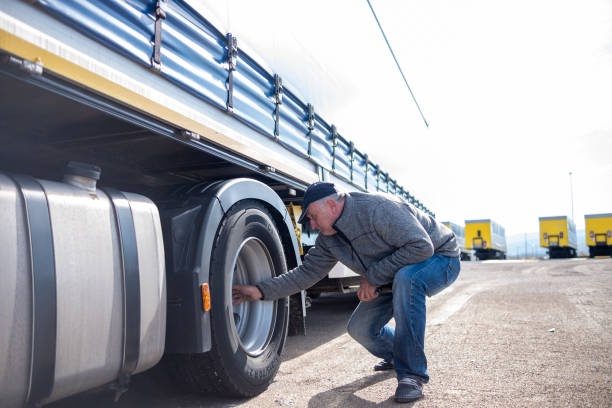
{"x": 384, "y": 365}
{"x": 408, "y": 390}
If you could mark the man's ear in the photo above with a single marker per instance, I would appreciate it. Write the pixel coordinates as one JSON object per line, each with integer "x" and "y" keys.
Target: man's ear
{"x": 333, "y": 205}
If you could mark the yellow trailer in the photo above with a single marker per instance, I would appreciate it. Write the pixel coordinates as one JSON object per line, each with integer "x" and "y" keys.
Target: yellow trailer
{"x": 558, "y": 235}
{"x": 487, "y": 238}
{"x": 460, "y": 236}
{"x": 598, "y": 232}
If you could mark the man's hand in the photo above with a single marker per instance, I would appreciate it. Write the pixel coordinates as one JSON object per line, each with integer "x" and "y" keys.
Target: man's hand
{"x": 245, "y": 293}
{"x": 366, "y": 291}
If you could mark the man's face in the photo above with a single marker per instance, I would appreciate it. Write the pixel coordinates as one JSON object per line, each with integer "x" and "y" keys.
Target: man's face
{"x": 322, "y": 217}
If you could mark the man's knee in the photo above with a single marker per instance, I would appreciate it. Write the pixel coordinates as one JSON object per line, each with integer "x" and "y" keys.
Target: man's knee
{"x": 359, "y": 331}
{"x": 354, "y": 330}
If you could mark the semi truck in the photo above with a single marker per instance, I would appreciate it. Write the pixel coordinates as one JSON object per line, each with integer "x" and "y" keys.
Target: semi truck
{"x": 487, "y": 238}
{"x": 558, "y": 235}
{"x": 148, "y": 162}
{"x": 598, "y": 232}
{"x": 459, "y": 231}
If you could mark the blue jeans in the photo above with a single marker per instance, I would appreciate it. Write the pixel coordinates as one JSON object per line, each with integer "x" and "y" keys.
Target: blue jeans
{"x": 405, "y": 344}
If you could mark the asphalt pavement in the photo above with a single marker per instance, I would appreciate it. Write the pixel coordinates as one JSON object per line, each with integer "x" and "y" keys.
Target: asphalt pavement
{"x": 505, "y": 334}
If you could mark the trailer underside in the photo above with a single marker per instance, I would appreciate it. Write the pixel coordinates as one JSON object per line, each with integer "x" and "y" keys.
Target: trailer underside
{"x": 46, "y": 122}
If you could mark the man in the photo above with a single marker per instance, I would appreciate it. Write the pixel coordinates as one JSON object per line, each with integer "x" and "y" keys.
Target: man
{"x": 389, "y": 242}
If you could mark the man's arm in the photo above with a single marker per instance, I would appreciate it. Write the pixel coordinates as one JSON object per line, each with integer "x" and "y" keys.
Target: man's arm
{"x": 317, "y": 263}
{"x": 399, "y": 227}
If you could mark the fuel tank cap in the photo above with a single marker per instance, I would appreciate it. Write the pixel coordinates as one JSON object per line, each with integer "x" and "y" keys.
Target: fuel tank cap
{"x": 82, "y": 175}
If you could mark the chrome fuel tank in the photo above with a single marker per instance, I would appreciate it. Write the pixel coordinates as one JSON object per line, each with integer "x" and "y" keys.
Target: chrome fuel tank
{"x": 82, "y": 288}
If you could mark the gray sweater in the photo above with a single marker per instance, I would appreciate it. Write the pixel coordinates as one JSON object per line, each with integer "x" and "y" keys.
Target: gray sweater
{"x": 376, "y": 236}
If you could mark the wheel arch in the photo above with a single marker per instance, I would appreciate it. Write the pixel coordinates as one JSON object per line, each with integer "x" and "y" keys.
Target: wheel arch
{"x": 216, "y": 199}
{"x": 231, "y": 192}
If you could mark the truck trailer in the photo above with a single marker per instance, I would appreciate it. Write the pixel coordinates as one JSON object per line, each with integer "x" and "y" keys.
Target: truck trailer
{"x": 598, "y": 233}
{"x": 487, "y": 238}
{"x": 459, "y": 231}
{"x": 148, "y": 162}
{"x": 558, "y": 235}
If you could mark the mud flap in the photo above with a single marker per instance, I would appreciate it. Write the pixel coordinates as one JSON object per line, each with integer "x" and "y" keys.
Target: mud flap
{"x": 297, "y": 314}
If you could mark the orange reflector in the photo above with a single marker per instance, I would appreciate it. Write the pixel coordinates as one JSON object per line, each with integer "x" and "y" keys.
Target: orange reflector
{"x": 205, "y": 297}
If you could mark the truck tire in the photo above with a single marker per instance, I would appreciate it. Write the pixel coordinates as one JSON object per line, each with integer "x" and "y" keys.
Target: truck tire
{"x": 247, "y": 340}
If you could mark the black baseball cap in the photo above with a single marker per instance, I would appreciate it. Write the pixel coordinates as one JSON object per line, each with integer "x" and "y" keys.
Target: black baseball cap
{"x": 314, "y": 192}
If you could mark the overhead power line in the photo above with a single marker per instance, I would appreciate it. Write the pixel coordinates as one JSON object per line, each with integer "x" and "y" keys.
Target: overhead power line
{"x": 397, "y": 63}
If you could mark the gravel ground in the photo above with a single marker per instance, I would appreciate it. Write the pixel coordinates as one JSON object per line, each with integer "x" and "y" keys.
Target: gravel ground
{"x": 506, "y": 334}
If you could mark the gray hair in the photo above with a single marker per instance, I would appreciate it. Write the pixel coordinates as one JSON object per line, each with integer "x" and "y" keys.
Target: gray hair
{"x": 337, "y": 197}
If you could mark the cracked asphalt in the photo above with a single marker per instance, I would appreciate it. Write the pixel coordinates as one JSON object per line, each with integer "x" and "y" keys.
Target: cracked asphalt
{"x": 505, "y": 334}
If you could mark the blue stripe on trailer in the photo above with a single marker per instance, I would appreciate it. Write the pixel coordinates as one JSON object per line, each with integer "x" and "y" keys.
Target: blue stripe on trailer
{"x": 293, "y": 124}
{"x": 322, "y": 143}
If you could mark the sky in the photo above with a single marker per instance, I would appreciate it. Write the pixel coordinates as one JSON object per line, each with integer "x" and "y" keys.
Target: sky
{"x": 517, "y": 95}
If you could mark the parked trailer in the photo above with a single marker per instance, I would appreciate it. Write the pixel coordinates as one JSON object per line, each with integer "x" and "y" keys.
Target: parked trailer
{"x": 187, "y": 161}
{"x": 459, "y": 231}
{"x": 558, "y": 235}
{"x": 487, "y": 238}
{"x": 598, "y": 232}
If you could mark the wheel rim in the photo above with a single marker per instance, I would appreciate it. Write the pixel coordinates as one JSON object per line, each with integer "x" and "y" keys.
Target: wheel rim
{"x": 253, "y": 321}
